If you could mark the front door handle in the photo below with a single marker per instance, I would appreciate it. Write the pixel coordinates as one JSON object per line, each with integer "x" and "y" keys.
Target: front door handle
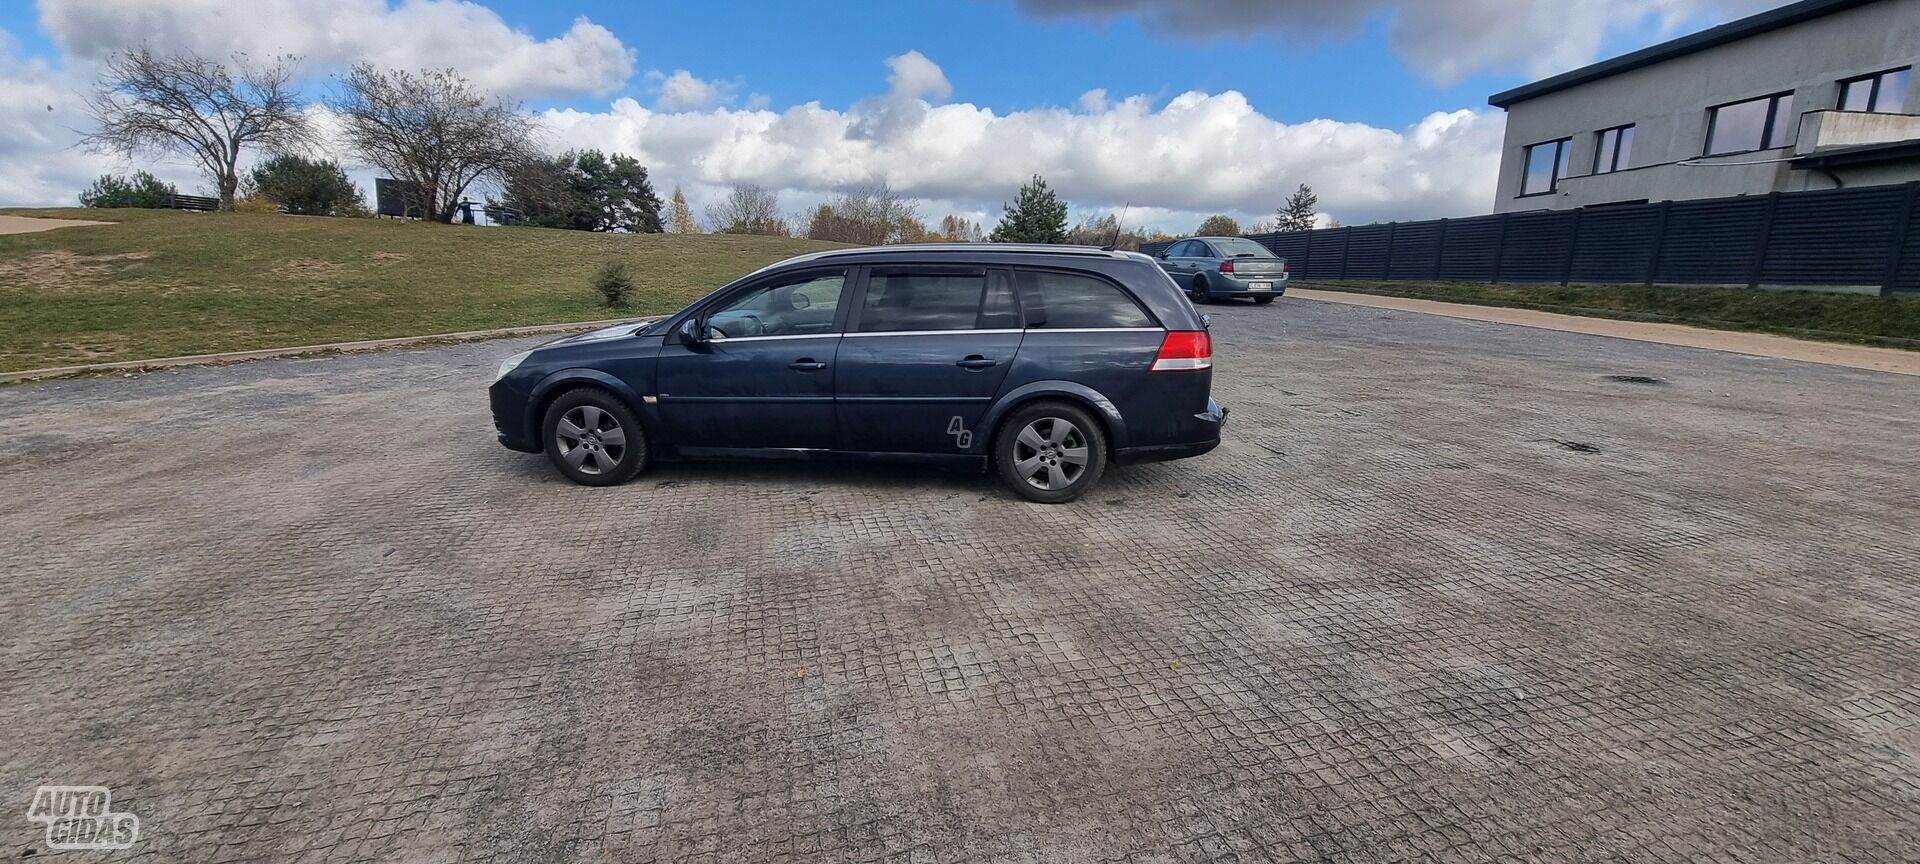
{"x": 977, "y": 362}
{"x": 806, "y": 364}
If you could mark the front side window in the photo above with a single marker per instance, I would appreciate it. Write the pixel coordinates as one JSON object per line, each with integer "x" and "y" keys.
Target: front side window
{"x": 796, "y": 306}
{"x": 1183, "y": 249}
{"x": 1546, "y": 163}
{"x": 1880, "y": 93}
{"x": 907, "y": 301}
{"x": 1615, "y": 148}
{"x": 1756, "y": 124}
{"x": 1066, "y": 301}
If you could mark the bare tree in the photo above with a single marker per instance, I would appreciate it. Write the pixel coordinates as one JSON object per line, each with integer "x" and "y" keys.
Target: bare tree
{"x": 870, "y": 216}
{"x": 433, "y": 131}
{"x": 204, "y": 108}
{"x": 956, "y": 229}
{"x": 748, "y": 209}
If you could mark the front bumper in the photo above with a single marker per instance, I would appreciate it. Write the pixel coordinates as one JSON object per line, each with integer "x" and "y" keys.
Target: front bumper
{"x": 510, "y": 424}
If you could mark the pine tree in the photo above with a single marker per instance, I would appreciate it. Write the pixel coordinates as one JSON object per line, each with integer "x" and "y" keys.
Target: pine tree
{"x": 680, "y": 216}
{"x": 1298, "y": 213}
{"x": 1035, "y": 216}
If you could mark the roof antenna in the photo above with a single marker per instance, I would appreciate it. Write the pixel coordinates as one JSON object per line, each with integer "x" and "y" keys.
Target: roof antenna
{"x": 1111, "y": 244}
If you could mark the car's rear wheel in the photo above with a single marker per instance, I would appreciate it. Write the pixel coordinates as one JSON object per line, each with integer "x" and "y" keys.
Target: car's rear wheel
{"x": 1200, "y": 292}
{"x": 593, "y": 438}
{"x": 1050, "y": 452}
{"x": 1263, "y": 300}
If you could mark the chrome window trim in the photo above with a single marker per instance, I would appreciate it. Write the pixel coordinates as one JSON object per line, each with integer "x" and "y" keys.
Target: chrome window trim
{"x": 1148, "y": 329}
{"x": 929, "y": 333}
{"x": 731, "y": 339}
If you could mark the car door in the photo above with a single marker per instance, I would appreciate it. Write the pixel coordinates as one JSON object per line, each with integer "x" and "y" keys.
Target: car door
{"x": 1202, "y": 256}
{"x": 925, "y": 352}
{"x": 764, "y": 376}
{"x": 1177, "y": 263}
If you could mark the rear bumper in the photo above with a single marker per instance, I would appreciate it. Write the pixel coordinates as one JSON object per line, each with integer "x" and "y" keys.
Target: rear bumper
{"x": 1208, "y": 425}
{"x": 1222, "y": 285}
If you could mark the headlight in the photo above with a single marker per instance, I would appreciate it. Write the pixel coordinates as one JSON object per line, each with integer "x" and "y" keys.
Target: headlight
{"x": 511, "y": 363}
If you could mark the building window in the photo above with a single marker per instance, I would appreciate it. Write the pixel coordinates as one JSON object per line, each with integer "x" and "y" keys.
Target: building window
{"x": 1616, "y": 147}
{"x": 1546, "y": 163}
{"x": 1756, "y": 124}
{"x": 1881, "y": 93}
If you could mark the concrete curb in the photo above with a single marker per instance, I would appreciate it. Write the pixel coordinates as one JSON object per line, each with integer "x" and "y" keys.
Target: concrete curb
{"x": 300, "y": 350}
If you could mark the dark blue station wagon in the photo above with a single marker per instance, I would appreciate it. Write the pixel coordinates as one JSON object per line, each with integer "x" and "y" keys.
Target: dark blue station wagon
{"x": 1045, "y": 362}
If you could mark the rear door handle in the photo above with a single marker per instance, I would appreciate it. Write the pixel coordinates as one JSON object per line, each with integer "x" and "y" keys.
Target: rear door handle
{"x": 977, "y": 362}
{"x": 806, "y": 364}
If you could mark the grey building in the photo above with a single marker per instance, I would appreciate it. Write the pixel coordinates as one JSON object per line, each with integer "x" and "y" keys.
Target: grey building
{"x": 1816, "y": 94}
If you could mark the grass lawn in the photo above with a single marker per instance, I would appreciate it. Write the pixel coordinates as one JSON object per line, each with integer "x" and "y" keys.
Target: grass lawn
{"x": 164, "y": 283}
{"x": 1892, "y": 321}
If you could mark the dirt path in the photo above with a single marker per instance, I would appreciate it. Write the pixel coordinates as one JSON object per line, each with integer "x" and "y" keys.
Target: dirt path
{"x": 28, "y": 224}
{"x": 1756, "y": 344}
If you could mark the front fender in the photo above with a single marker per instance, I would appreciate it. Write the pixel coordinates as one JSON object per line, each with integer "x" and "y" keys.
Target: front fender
{"x": 1101, "y": 405}
{"x": 575, "y": 376}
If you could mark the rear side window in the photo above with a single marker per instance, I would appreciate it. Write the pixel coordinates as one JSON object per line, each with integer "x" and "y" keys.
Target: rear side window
{"x": 910, "y": 301}
{"x": 1064, "y": 301}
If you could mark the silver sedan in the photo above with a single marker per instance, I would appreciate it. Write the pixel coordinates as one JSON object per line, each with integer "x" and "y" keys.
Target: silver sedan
{"x": 1212, "y": 268}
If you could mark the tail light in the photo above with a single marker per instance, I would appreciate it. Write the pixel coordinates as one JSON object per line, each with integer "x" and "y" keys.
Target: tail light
{"x": 1226, "y": 266}
{"x": 1285, "y": 267}
{"x": 1183, "y": 351}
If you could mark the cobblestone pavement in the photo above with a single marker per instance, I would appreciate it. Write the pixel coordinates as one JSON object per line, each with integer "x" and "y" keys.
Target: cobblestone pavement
{"x": 1446, "y": 593}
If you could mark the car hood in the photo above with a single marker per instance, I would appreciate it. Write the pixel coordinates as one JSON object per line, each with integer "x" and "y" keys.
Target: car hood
{"x": 617, "y": 331}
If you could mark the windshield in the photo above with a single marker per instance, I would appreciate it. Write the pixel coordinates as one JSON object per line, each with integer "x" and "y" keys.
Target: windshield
{"x": 1237, "y": 248}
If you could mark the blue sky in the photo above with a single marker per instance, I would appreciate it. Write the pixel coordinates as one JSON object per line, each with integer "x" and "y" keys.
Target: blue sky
{"x": 1380, "y": 104}
{"x": 995, "y": 55}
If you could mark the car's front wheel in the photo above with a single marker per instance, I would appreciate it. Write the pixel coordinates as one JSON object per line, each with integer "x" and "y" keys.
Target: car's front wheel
{"x": 1050, "y": 452}
{"x": 593, "y": 438}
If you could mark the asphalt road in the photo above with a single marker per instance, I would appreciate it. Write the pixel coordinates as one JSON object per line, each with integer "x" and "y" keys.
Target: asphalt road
{"x": 1447, "y": 592}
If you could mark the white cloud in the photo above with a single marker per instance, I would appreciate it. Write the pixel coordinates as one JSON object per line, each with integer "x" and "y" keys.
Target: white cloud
{"x": 1173, "y": 160}
{"x": 914, "y": 76}
{"x": 587, "y": 58}
{"x": 1198, "y": 153}
{"x": 1445, "y": 39}
{"x": 41, "y": 164}
{"x": 681, "y": 90}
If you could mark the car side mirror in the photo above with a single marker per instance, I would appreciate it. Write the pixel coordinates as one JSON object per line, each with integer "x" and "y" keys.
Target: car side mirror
{"x": 1162, "y": 254}
{"x": 691, "y": 332}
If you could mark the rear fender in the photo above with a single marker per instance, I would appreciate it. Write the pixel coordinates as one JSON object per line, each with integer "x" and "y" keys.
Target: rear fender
{"x": 1094, "y": 400}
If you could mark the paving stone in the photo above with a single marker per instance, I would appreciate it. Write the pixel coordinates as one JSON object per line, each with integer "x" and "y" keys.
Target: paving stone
{"x": 308, "y": 610}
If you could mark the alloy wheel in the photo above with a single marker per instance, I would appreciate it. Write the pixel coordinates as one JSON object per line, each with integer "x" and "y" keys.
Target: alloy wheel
{"x": 1050, "y": 454}
{"x": 591, "y": 440}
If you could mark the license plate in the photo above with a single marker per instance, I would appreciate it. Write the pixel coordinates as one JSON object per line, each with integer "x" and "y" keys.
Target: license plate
{"x": 1260, "y": 286}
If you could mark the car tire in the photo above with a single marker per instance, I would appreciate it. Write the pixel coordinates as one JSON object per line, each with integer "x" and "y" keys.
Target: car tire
{"x": 1200, "y": 293}
{"x": 1036, "y": 447}
{"x": 593, "y": 438}
{"x": 1263, "y": 300}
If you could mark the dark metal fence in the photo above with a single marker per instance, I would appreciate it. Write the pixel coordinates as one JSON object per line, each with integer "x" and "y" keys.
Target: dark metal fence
{"x": 1864, "y": 239}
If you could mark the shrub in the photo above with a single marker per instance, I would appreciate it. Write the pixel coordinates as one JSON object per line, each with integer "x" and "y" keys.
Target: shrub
{"x": 306, "y": 186}
{"x": 254, "y": 204}
{"x": 140, "y": 190}
{"x": 613, "y": 285}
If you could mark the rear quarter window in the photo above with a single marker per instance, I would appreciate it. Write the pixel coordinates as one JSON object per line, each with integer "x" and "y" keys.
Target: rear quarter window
{"x": 1063, "y": 301}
